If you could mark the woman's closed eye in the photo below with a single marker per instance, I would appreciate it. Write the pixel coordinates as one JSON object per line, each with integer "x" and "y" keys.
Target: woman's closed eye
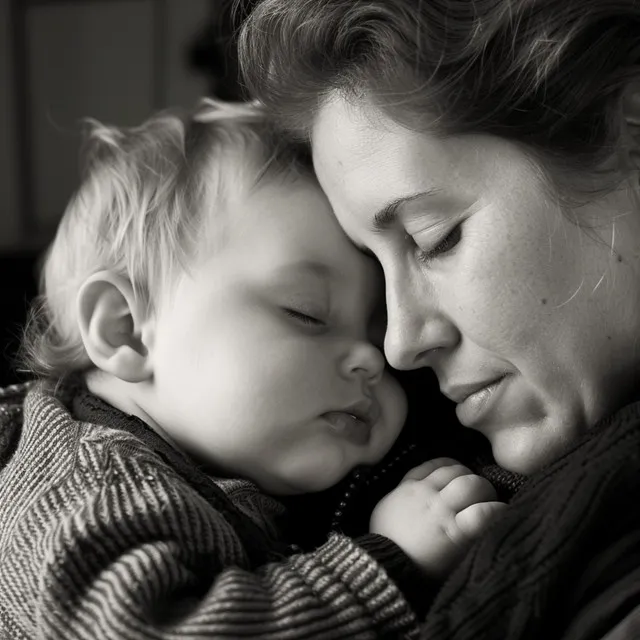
{"x": 443, "y": 247}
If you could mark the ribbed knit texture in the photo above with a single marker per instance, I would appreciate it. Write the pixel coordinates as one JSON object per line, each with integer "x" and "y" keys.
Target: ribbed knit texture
{"x": 105, "y": 535}
{"x": 563, "y": 561}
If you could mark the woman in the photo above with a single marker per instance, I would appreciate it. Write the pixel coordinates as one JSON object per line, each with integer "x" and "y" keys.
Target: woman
{"x": 487, "y": 153}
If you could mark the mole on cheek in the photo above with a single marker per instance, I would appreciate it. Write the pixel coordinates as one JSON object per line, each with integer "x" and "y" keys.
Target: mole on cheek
{"x": 544, "y": 301}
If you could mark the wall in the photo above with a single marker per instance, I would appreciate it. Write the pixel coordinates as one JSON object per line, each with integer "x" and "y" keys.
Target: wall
{"x": 114, "y": 60}
{"x": 9, "y": 217}
{"x": 60, "y": 61}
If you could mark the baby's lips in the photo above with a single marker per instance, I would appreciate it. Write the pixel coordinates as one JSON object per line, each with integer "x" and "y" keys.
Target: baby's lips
{"x": 367, "y": 409}
{"x": 349, "y": 426}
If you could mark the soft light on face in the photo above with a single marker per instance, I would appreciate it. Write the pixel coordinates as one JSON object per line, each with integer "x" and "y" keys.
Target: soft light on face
{"x": 263, "y": 352}
{"x": 529, "y": 320}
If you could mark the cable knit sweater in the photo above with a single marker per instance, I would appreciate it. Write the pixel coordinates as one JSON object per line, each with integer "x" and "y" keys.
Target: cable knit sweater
{"x": 108, "y": 532}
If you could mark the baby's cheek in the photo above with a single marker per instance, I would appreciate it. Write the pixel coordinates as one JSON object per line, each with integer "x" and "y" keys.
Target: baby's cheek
{"x": 393, "y": 406}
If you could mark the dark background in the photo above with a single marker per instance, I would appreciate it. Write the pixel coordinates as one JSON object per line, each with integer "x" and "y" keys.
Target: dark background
{"x": 62, "y": 60}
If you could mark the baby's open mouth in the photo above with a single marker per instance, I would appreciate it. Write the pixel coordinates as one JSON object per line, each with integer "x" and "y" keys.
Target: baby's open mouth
{"x": 356, "y": 422}
{"x": 349, "y": 426}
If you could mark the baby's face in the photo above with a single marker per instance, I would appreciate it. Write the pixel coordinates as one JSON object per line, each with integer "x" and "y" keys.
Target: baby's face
{"x": 262, "y": 360}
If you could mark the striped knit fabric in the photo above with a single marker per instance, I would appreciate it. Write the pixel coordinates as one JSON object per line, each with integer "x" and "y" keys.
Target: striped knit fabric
{"x": 101, "y": 538}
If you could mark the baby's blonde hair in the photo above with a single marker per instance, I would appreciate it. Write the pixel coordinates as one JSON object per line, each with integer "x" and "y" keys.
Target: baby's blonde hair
{"x": 145, "y": 202}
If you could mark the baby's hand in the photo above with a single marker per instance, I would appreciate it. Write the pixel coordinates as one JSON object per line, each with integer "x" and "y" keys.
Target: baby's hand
{"x": 435, "y": 512}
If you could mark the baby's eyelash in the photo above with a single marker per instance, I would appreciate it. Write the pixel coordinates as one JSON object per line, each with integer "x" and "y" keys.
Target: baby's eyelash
{"x": 304, "y": 318}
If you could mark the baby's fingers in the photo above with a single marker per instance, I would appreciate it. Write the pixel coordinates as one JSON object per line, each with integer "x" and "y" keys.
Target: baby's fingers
{"x": 467, "y": 490}
{"x": 473, "y": 520}
{"x": 427, "y": 468}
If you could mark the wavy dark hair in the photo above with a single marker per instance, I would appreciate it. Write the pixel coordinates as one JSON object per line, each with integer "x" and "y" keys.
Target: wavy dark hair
{"x": 544, "y": 73}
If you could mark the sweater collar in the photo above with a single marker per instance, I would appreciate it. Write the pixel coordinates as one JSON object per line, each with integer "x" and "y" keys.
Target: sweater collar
{"x": 87, "y": 407}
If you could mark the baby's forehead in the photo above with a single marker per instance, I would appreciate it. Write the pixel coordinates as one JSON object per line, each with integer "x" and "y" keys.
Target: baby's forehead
{"x": 286, "y": 223}
{"x": 360, "y": 279}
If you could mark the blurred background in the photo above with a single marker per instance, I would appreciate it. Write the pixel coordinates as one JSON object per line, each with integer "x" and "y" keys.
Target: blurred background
{"x": 62, "y": 60}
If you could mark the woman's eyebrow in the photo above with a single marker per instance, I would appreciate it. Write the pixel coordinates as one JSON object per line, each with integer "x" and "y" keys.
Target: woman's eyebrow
{"x": 387, "y": 216}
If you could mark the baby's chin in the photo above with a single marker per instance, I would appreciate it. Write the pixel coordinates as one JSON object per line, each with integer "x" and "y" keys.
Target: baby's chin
{"x": 288, "y": 486}
{"x": 314, "y": 477}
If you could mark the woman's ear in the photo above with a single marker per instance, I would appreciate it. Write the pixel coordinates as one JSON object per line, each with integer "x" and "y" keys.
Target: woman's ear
{"x": 631, "y": 114}
{"x": 115, "y": 330}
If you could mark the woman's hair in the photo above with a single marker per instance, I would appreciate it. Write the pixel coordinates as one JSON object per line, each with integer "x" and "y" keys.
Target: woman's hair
{"x": 151, "y": 200}
{"x": 545, "y": 73}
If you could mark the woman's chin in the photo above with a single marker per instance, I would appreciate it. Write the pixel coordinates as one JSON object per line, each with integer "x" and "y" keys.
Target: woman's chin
{"x": 523, "y": 455}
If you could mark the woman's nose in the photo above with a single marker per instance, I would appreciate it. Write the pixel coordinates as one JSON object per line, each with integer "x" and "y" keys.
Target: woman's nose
{"x": 366, "y": 360}
{"x": 416, "y": 328}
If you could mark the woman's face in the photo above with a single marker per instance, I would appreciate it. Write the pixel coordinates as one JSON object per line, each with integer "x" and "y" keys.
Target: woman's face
{"x": 528, "y": 314}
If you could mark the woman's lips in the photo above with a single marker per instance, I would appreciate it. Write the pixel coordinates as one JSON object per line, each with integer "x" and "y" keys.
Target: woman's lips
{"x": 476, "y": 405}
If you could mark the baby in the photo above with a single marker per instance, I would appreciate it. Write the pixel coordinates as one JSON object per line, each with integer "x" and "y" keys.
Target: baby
{"x": 203, "y": 345}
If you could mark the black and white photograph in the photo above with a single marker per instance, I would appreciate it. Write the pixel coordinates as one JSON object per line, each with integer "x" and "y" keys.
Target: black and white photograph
{"x": 320, "y": 319}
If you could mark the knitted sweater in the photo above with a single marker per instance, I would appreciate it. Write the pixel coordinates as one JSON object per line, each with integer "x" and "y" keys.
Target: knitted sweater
{"x": 108, "y": 532}
{"x": 563, "y": 561}
{"x": 79, "y": 559}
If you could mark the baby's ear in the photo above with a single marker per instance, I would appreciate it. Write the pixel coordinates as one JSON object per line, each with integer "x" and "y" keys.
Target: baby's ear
{"x": 114, "y": 327}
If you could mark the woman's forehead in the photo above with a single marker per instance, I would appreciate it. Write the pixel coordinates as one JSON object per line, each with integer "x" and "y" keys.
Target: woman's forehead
{"x": 357, "y": 122}
{"x": 360, "y": 159}
{"x": 352, "y": 150}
